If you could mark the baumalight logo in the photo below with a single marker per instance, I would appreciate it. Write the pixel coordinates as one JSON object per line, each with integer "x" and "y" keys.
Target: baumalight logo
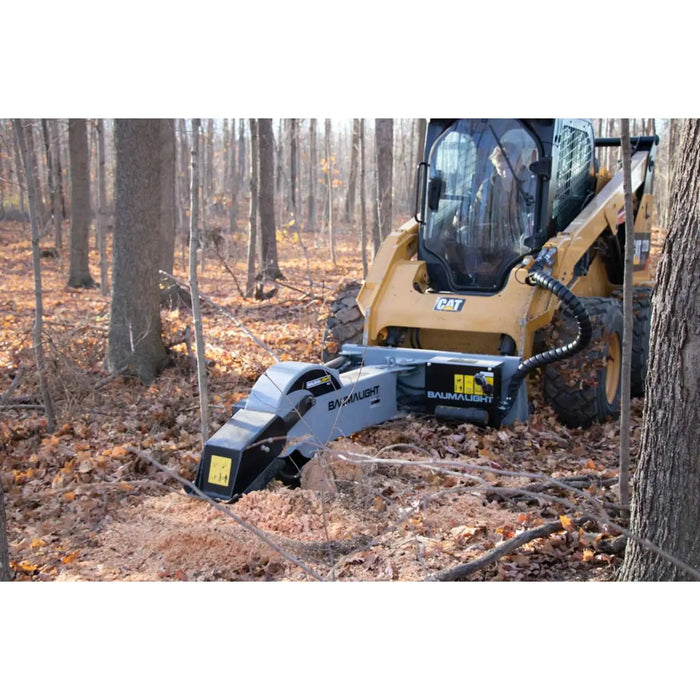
{"x": 448, "y": 304}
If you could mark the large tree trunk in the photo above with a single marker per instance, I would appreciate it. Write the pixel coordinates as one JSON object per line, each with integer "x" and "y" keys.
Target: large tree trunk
{"x": 268, "y": 231}
{"x": 384, "y": 134}
{"x": 135, "y": 343}
{"x": 79, "y": 273}
{"x": 666, "y": 486}
{"x": 167, "y": 200}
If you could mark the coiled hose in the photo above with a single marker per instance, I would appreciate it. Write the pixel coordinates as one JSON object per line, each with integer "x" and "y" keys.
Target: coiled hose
{"x": 537, "y": 277}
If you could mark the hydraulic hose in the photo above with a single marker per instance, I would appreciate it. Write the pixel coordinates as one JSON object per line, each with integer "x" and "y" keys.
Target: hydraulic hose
{"x": 538, "y": 277}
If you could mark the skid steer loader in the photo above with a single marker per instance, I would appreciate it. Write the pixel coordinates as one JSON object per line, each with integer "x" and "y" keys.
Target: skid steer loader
{"x": 514, "y": 221}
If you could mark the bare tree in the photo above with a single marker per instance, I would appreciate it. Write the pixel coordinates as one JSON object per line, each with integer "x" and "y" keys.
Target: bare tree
{"x": 627, "y": 335}
{"x": 18, "y": 171}
{"x": 313, "y": 158}
{"x": 53, "y": 188}
{"x": 384, "y": 136}
{"x": 666, "y": 488}
{"x": 135, "y": 342}
{"x": 232, "y": 181}
{"x": 352, "y": 178}
{"x": 194, "y": 288}
{"x": 253, "y": 228}
{"x": 293, "y": 169}
{"x": 329, "y": 187}
{"x": 33, "y": 172}
{"x": 102, "y": 208}
{"x": 266, "y": 201}
{"x": 79, "y": 273}
{"x": 167, "y": 194}
{"x": 5, "y": 574}
{"x": 363, "y": 202}
{"x": 38, "y": 329}
{"x": 56, "y": 147}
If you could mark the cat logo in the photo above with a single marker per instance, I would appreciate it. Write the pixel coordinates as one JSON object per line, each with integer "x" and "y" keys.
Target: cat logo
{"x": 448, "y": 304}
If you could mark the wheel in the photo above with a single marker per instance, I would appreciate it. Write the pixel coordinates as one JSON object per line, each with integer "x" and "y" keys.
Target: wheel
{"x": 586, "y": 387}
{"x": 345, "y": 323}
{"x": 641, "y": 312}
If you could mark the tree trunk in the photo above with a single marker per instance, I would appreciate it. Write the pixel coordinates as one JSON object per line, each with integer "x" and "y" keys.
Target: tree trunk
{"x": 253, "y": 228}
{"x": 5, "y": 573}
{"x": 627, "y": 335}
{"x": 209, "y": 164}
{"x": 34, "y": 173}
{"x": 167, "y": 200}
{"x": 422, "y": 127}
{"x": 666, "y": 488}
{"x": 313, "y": 157}
{"x": 352, "y": 178}
{"x": 102, "y": 208}
{"x": 384, "y": 134}
{"x": 79, "y": 273}
{"x": 18, "y": 171}
{"x": 242, "y": 165}
{"x": 293, "y": 159}
{"x": 56, "y": 145}
{"x": 232, "y": 182}
{"x": 53, "y": 189}
{"x": 266, "y": 201}
{"x": 329, "y": 188}
{"x": 194, "y": 289}
{"x": 38, "y": 329}
{"x": 135, "y": 343}
{"x": 363, "y": 201}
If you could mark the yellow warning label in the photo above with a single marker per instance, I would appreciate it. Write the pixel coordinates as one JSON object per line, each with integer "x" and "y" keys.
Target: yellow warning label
{"x": 465, "y": 384}
{"x": 219, "y": 470}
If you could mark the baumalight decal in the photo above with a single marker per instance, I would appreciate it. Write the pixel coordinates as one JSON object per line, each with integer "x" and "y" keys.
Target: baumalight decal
{"x": 351, "y": 398}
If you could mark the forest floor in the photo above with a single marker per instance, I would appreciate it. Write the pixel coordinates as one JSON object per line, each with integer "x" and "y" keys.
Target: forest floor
{"x": 405, "y": 500}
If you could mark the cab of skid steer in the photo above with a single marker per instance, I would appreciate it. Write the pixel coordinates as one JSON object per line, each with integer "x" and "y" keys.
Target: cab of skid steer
{"x": 494, "y": 190}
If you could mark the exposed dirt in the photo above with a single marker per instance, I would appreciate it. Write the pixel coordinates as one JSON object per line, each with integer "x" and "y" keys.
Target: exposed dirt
{"x": 82, "y": 506}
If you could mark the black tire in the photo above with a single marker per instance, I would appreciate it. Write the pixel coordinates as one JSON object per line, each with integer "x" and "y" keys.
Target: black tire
{"x": 641, "y": 312}
{"x": 345, "y": 323}
{"x": 586, "y": 387}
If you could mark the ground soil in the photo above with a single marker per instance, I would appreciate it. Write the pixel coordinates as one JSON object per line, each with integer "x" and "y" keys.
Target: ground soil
{"x": 400, "y": 501}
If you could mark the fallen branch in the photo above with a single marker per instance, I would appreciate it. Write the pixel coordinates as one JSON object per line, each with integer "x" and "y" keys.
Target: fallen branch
{"x": 247, "y": 526}
{"x": 464, "y": 570}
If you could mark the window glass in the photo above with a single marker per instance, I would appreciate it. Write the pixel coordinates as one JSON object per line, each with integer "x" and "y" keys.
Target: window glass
{"x": 483, "y": 219}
